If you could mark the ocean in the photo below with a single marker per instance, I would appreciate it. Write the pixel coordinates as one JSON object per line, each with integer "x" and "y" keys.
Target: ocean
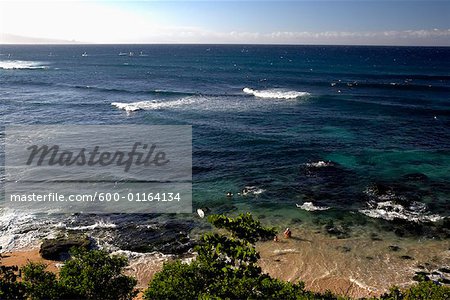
{"x": 350, "y": 140}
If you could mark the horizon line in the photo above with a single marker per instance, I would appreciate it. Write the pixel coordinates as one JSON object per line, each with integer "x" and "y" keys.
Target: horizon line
{"x": 217, "y": 44}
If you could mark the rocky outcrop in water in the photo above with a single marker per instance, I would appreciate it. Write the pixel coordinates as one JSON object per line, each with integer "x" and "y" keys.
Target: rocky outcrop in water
{"x": 170, "y": 237}
{"x": 58, "y": 248}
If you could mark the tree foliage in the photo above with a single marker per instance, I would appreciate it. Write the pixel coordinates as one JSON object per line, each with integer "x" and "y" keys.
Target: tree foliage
{"x": 96, "y": 275}
{"x": 10, "y": 287}
{"x": 243, "y": 227}
{"x": 424, "y": 290}
{"x": 87, "y": 275}
{"x": 39, "y": 283}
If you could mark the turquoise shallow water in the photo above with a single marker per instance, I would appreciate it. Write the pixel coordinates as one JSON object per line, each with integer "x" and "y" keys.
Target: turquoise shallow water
{"x": 381, "y": 115}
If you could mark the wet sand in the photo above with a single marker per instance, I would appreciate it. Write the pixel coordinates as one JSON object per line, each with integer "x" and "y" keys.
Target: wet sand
{"x": 355, "y": 267}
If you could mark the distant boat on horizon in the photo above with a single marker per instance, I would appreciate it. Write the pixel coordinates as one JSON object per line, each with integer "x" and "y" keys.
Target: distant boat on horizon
{"x": 142, "y": 54}
{"x": 123, "y": 54}
{"x": 84, "y": 54}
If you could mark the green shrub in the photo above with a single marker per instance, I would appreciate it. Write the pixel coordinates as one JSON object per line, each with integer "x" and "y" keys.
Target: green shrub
{"x": 40, "y": 284}
{"x": 10, "y": 288}
{"x": 96, "y": 275}
{"x": 424, "y": 290}
{"x": 243, "y": 227}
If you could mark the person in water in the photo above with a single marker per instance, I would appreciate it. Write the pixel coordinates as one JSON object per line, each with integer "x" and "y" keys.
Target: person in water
{"x": 287, "y": 233}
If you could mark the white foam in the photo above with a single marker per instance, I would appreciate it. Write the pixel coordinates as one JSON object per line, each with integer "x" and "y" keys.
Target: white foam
{"x": 142, "y": 257}
{"x": 21, "y": 64}
{"x": 320, "y": 164}
{"x": 20, "y": 230}
{"x": 362, "y": 285}
{"x": 96, "y": 225}
{"x": 252, "y": 190}
{"x": 282, "y": 251}
{"x": 275, "y": 93}
{"x": 390, "y": 210}
{"x": 309, "y": 206}
{"x": 153, "y": 105}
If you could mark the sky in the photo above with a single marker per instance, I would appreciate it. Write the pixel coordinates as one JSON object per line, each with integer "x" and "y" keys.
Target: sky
{"x": 361, "y": 22}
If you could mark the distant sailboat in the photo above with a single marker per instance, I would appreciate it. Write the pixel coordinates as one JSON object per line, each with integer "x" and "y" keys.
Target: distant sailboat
{"x": 142, "y": 54}
{"x": 131, "y": 54}
{"x": 84, "y": 54}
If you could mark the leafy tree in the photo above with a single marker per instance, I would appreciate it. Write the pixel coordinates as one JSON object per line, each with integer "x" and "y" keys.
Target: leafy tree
{"x": 96, "y": 275}
{"x": 10, "y": 287}
{"x": 424, "y": 290}
{"x": 243, "y": 227}
{"x": 39, "y": 283}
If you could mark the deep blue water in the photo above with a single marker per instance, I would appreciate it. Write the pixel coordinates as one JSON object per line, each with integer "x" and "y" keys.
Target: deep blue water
{"x": 379, "y": 114}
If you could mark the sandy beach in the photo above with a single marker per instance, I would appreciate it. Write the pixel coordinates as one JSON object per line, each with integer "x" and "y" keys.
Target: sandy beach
{"x": 355, "y": 267}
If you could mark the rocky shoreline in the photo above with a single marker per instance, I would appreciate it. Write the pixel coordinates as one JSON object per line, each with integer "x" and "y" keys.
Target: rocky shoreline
{"x": 355, "y": 267}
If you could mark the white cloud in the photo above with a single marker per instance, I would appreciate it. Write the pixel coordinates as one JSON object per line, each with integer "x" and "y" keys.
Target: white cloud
{"x": 406, "y": 37}
{"x": 98, "y": 23}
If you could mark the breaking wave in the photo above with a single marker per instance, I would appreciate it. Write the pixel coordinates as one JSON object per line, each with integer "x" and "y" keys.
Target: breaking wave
{"x": 19, "y": 230}
{"x": 21, "y": 64}
{"x": 97, "y": 225}
{"x": 275, "y": 93}
{"x": 309, "y": 206}
{"x": 152, "y": 105}
{"x": 390, "y": 210}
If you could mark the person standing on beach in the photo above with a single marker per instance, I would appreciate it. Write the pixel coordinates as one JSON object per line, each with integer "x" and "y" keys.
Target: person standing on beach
{"x": 287, "y": 233}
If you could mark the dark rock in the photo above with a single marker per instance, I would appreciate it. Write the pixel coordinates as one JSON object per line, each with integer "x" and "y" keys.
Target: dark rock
{"x": 407, "y": 257}
{"x": 444, "y": 280}
{"x": 327, "y": 182}
{"x": 444, "y": 270}
{"x": 435, "y": 273}
{"x": 296, "y": 221}
{"x": 421, "y": 267}
{"x": 416, "y": 177}
{"x": 406, "y": 228}
{"x": 58, "y": 248}
{"x": 344, "y": 249}
{"x": 394, "y": 248}
{"x": 170, "y": 237}
{"x": 336, "y": 230}
{"x": 421, "y": 276}
{"x": 397, "y": 193}
{"x": 375, "y": 237}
